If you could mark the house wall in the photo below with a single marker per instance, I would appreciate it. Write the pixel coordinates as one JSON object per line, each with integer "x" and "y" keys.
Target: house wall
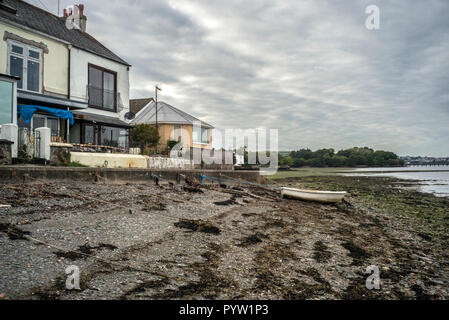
{"x": 79, "y": 62}
{"x": 165, "y": 131}
{"x": 54, "y": 63}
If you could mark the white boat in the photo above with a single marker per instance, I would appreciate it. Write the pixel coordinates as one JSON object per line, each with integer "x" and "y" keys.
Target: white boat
{"x": 313, "y": 195}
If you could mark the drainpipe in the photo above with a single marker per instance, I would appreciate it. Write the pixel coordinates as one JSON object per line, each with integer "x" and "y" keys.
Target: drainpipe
{"x": 69, "y": 67}
{"x": 68, "y": 71}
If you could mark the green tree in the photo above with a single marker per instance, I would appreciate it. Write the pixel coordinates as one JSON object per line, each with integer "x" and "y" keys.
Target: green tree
{"x": 352, "y": 157}
{"x": 285, "y": 161}
{"x": 145, "y": 135}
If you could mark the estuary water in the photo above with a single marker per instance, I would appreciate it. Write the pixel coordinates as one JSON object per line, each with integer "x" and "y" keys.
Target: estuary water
{"x": 432, "y": 179}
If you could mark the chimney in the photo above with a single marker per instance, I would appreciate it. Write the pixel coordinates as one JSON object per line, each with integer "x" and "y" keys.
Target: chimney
{"x": 77, "y": 13}
{"x": 83, "y": 18}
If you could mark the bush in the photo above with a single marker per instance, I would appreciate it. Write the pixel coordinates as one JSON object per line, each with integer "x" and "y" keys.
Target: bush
{"x": 171, "y": 144}
{"x": 145, "y": 136}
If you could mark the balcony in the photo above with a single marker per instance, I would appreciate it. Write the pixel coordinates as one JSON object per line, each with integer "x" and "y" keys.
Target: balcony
{"x": 104, "y": 99}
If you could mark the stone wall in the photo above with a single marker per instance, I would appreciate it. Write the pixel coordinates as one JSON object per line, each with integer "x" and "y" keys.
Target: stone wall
{"x": 5, "y": 152}
{"x": 60, "y": 154}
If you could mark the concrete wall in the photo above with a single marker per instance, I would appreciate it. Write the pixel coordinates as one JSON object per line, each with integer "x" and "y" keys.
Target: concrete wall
{"x": 109, "y": 160}
{"x": 79, "y": 79}
{"x": 17, "y": 174}
{"x": 168, "y": 163}
{"x": 54, "y": 63}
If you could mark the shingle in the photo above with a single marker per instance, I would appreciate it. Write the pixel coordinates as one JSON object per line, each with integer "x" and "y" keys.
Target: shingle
{"x": 43, "y": 21}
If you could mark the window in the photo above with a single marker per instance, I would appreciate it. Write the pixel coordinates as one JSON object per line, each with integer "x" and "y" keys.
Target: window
{"x": 177, "y": 132}
{"x": 201, "y": 135}
{"x": 102, "y": 88}
{"x": 114, "y": 137}
{"x": 41, "y": 121}
{"x": 25, "y": 62}
{"x": 6, "y": 101}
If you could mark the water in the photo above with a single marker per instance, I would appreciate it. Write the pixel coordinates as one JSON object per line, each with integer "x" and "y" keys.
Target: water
{"x": 433, "y": 179}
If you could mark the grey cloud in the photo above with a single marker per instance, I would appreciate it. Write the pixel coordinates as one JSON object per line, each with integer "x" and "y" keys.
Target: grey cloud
{"x": 309, "y": 68}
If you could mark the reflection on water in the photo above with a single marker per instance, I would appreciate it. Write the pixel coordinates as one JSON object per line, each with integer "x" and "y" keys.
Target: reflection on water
{"x": 436, "y": 182}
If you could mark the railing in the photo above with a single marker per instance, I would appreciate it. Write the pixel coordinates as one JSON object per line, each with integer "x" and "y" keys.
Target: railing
{"x": 104, "y": 99}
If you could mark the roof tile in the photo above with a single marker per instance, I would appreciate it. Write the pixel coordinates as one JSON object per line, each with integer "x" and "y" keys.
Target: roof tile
{"x": 45, "y": 22}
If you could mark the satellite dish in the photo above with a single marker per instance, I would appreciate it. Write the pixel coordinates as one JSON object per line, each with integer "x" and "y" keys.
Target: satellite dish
{"x": 130, "y": 115}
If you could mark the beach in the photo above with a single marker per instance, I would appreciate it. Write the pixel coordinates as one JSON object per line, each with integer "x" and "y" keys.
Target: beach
{"x": 142, "y": 241}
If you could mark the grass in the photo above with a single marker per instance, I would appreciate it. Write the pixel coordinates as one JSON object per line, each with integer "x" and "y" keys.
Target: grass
{"x": 76, "y": 165}
{"x": 307, "y": 172}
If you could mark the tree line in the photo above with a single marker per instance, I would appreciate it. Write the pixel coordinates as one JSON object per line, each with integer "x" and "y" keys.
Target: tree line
{"x": 344, "y": 158}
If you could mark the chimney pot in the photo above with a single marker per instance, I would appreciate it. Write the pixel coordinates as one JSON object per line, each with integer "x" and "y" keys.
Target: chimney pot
{"x": 81, "y": 9}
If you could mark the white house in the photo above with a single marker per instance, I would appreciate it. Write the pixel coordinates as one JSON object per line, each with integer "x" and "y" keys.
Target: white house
{"x": 66, "y": 80}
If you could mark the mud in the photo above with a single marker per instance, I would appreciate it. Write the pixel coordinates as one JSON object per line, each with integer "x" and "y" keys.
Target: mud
{"x": 139, "y": 241}
{"x": 83, "y": 251}
{"x": 198, "y": 225}
{"x": 13, "y": 232}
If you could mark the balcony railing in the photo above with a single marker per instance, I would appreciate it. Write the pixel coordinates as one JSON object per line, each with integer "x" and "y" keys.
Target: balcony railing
{"x": 104, "y": 99}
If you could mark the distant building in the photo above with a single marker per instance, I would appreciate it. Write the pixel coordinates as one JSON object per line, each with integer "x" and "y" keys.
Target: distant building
{"x": 174, "y": 124}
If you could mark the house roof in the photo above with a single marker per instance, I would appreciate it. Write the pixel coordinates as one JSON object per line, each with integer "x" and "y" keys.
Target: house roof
{"x": 43, "y": 21}
{"x": 165, "y": 114}
{"x": 98, "y": 118}
{"x": 135, "y": 105}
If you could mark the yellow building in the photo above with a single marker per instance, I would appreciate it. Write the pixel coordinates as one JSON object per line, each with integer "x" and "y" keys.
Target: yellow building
{"x": 174, "y": 124}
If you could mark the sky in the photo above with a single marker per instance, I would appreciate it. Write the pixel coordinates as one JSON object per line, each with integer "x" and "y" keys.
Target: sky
{"x": 309, "y": 68}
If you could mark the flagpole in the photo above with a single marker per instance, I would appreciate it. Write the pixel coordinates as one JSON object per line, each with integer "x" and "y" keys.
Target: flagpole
{"x": 157, "y": 127}
{"x": 157, "y": 124}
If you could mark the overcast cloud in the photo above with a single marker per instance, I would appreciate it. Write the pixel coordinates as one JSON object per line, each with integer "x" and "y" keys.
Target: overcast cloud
{"x": 309, "y": 68}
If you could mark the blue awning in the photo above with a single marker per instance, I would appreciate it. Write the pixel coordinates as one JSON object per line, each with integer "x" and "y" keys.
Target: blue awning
{"x": 27, "y": 112}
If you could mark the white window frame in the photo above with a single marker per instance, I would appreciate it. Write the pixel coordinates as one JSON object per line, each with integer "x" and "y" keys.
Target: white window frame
{"x": 14, "y": 98}
{"x": 37, "y": 115}
{"x": 174, "y": 132}
{"x": 25, "y": 57}
{"x": 201, "y": 137}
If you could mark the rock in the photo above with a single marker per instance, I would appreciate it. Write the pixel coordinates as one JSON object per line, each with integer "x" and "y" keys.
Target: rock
{"x": 437, "y": 281}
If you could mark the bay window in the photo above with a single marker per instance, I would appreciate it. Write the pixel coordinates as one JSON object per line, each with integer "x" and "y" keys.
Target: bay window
{"x": 25, "y": 62}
